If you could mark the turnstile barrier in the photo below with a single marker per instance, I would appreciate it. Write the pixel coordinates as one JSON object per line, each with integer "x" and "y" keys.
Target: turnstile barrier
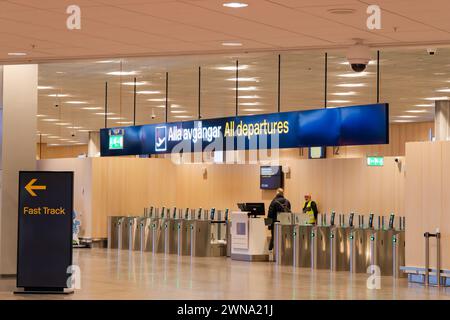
{"x": 115, "y": 232}
{"x": 284, "y": 243}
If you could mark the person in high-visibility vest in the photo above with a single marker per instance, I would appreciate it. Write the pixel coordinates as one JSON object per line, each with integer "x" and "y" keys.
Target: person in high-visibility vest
{"x": 310, "y": 208}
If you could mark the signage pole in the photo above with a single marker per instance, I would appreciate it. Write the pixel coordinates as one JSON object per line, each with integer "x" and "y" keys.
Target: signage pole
{"x": 279, "y": 83}
{"x": 378, "y": 76}
{"x": 167, "y": 95}
{"x": 199, "y": 92}
{"x": 134, "y": 103}
{"x": 326, "y": 80}
{"x": 237, "y": 88}
{"x": 106, "y": 104}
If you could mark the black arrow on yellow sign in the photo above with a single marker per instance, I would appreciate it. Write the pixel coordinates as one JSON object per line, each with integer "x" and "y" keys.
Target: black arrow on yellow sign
{"x": 30, "y": 187}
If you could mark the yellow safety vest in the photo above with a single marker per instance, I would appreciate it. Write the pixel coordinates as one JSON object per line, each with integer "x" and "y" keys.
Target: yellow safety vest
{"x": 309, "y": 212}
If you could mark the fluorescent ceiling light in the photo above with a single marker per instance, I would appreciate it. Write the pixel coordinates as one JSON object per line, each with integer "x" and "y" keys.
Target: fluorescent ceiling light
{"x": 354, "y": 75}
{"x": 84, "y": 130}
{"x": 92, "y": 108}
{"x": 235, "y": 5}
{"x": 17, "y": 54}
{"x": 50, "y": 120}
{"x": 40, "y": 115}
{"x": 157, "y": 100}
{"x": 105, "y": 114}
{"x": 53, "y": 137}
{"x": 233, "y": 68}
{"x": 424, "y": 105}
{"x": 62, "y": 124}
{"x": 115, "y": 118}
{"x": 75, "y": 102}
{"x": 58, "y": 95}
{"x": 350, "y": 93}
{"x": 124, "y": 122}
{"x": 148, "y": 92}
{"x": 107, "y": 61}
{"x": 436, "y": 98}
{"x": 178, "y": 111}
{"x": 183, "y": 117}
{"x": 45, "y": 88}
{"x": 240, "y": 79}
{"x": 417, "y": 111}
{"x": 138, "y": 83}
{"x": 250, "y": 103}
{"x": 53, "y": 145}
{"x": 351, "y": 85}
{"x": 252, "y": 110}
{"x": 339, "y": 101}
{"x": 232, "y": 44}
{"x": 121, "y": 73}
{"x": 443, "y": 90}
{"x": 407, "y": 117}
{"x": 403, "y": 121}
{"x": 246, "y": 89}
{"x": 175, "y": 106}
{"x": 75, "y": 128}
{"x": 249, "y": 97}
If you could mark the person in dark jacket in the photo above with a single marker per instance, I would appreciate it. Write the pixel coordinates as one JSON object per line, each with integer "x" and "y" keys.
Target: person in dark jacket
{"x": 278, "y": 204}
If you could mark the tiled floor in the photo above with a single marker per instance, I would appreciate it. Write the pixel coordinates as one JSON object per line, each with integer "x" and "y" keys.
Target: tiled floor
{"x": 113, "y": 274}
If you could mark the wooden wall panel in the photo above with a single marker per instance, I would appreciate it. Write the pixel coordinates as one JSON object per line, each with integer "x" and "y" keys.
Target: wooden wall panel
{"x": 426, "y": 200}
{"x": 57, "y": 152}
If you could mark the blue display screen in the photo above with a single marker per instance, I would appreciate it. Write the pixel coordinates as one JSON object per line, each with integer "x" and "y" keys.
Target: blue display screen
{"x": 356, "y": 125}
{"x": 271, "y": 177}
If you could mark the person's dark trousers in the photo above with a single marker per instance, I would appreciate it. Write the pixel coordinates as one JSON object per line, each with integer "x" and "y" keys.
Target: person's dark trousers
{"x": 271, "y": 239}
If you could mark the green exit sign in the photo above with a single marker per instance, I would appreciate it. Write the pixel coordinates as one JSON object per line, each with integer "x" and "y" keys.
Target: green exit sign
{"x": 375, "y": 161}
{"x": 115, "y": 142}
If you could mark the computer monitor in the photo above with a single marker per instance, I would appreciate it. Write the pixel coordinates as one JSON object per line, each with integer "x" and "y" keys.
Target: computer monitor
{"x": 255, "y": 209}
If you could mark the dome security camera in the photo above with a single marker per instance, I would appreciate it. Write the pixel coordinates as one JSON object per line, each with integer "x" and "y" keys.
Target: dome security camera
{"x": 432, "y": 51}
{"x": 358, "y": 56}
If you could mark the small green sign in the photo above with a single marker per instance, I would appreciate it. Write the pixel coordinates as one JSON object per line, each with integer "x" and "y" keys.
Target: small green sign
{"x": 375, "y": 161}
{"x": 115, "y": 142}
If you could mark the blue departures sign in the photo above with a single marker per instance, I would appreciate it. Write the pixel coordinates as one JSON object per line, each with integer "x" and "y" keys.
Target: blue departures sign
{"x": 356, "y": 125}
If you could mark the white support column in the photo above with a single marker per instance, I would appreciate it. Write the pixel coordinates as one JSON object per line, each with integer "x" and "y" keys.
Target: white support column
{"x": 94, "y": 144}
{"x": 442, "y": 120}
{"x": 18, "y": 151}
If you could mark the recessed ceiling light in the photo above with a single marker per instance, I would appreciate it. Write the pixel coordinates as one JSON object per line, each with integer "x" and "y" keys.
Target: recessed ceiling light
{"x": 350, "y": 93}
{"x": 424, "y": 105}
{"x": 45, "y": 88}
{"x": 53, "y": 145}
{"x": 402, "y": 121}
{"x": 339, "y": 101}
{"x": 75, "y": 102}
{"x": 354, "y": 75}
{"x": 62, "y": 124}
{"x": 148, "y": 92}
{"x": 40, "y": 115}
{"x": 351, "y": 85}
{"x": 17, "y": 54}
{"x": 233, "y": 68}
{"x": 107, "y": 61}
{"x": 138, "y": 83}
{"x": 232, "y": 44}
{"x": 50, "y": 120}
{"x": 178, "y": 111}
{"x": 251, "y": 79}
{"x": 84, "y": 130}
{"x": 443, "y": 90}
{"x": 115, "y": 118}
{"x": 342, "y": 11}
{"x": 53, "y": 137}
{"x": 407, "y": 117}
{"x": 58, "y": 95}
{"x": 235, "y": 5}
{"x": 103, "y": 113}
{"x": 121, "y": 73}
